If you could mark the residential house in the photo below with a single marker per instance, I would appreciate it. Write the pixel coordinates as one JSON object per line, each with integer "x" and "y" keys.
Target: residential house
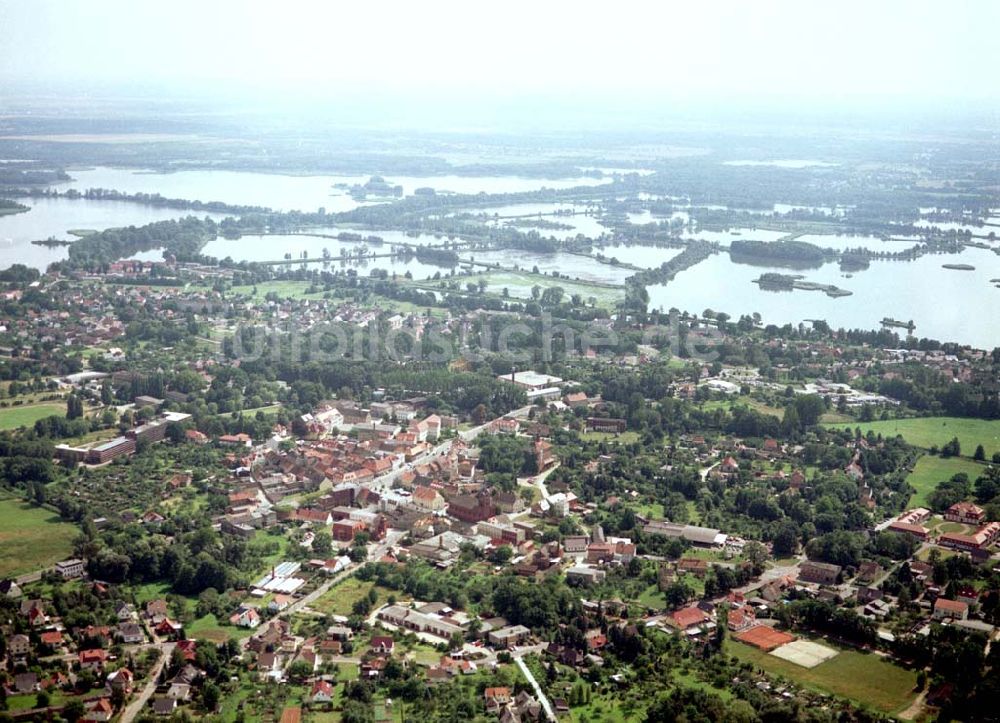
{"x": 51, "y": 639}
{"x": 545, "y": 456}
{"x": 321, "y": 693}
{"x": 509, "y": 636}
{"x": 164, "y": 706}
{"x": 26, "y": 683}
{"x": 821, "y": 573}
{"x": 156, "y": 611}
{"x": 869, "y": 571}
{"x": 245, "y": 617}
{"x": 372, "y": 668}
{"x": 120, "y": 680}
{"x": 496, "y": 699}
{"x": 92, "y": 659}
{"x": 686, "y": 618}
{"x": 125, "y": 612}
{"x": 130, "y": 633}
{"x": 19, "y": 646}
{"x": 428, "y": 498}
{"x": 950, "y": 609}
{"x": 694, "y": 566}
{"x": 269, "y": 666}
{"x": 741, "y": 618}
{"x": 9, "y": 589}
{"x": 236, "y": 440}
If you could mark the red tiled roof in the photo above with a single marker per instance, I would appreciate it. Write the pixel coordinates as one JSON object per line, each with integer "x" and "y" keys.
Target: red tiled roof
{"x": 951, "y": 606}
{"x": 688, "y": 617}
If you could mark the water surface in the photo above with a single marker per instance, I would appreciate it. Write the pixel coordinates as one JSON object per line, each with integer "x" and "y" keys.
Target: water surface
{"x": 945, "y": 305}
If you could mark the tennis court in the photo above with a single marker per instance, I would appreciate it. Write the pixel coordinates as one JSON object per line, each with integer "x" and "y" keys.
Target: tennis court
{"x": 804, "y": 652}
{"x": 764, "y": 637}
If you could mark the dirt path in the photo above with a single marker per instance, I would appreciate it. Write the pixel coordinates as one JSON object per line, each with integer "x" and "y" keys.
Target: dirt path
{"x": 915, "y": 708}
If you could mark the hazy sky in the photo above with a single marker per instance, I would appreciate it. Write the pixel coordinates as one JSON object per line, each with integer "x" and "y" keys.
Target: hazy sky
{"x": 820, "y": 50}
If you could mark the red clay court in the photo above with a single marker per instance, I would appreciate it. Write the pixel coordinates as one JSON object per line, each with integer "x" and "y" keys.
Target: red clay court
{"x": 765, "y": 638}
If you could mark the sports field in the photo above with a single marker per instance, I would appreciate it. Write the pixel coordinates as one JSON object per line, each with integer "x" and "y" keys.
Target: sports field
{"x": 766, "y": 638}
{"x": 31, "y": 538}
{"x": 804, "y": 652}
{"x": 865, "y": 678}
{"x": 27, "y": 415}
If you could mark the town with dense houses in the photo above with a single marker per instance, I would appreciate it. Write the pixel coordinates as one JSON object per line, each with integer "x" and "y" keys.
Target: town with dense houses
{"x": 469, "y": 404}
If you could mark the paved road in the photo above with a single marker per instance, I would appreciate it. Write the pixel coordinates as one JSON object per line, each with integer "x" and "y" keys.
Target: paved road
{"x": 546, "y": 706}
{"x": 135, "y": 707}
{"x": 539, "y": 481}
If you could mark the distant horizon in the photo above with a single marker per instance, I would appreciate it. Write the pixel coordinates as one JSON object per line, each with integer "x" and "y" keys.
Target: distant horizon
{"x": 524, "y": 62}
{"x": 514, "y": 114}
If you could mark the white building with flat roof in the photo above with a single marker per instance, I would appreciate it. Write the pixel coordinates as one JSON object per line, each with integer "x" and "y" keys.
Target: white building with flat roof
{"x": 70, "y": 568}
{"x": 531, "y": 379}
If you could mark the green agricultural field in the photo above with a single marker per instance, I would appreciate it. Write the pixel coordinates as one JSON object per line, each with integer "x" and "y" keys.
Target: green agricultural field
{"x": 284, "y": 289}
{"x": 31, "y": 538}
{"x": 929, "y": 431}
{"x": 930, "y": 470}
{"x": 865, "y": 678}
{"x": 26, "y": 416}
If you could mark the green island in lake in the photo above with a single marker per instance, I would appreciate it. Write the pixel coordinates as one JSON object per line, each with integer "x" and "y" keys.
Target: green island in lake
{"x": 787, "y": 282}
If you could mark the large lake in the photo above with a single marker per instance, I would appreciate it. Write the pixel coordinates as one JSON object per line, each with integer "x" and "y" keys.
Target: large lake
{"x": 286, "y": 193}
{"x": 946, "y": 305}
{"x": 53, "y": 217}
